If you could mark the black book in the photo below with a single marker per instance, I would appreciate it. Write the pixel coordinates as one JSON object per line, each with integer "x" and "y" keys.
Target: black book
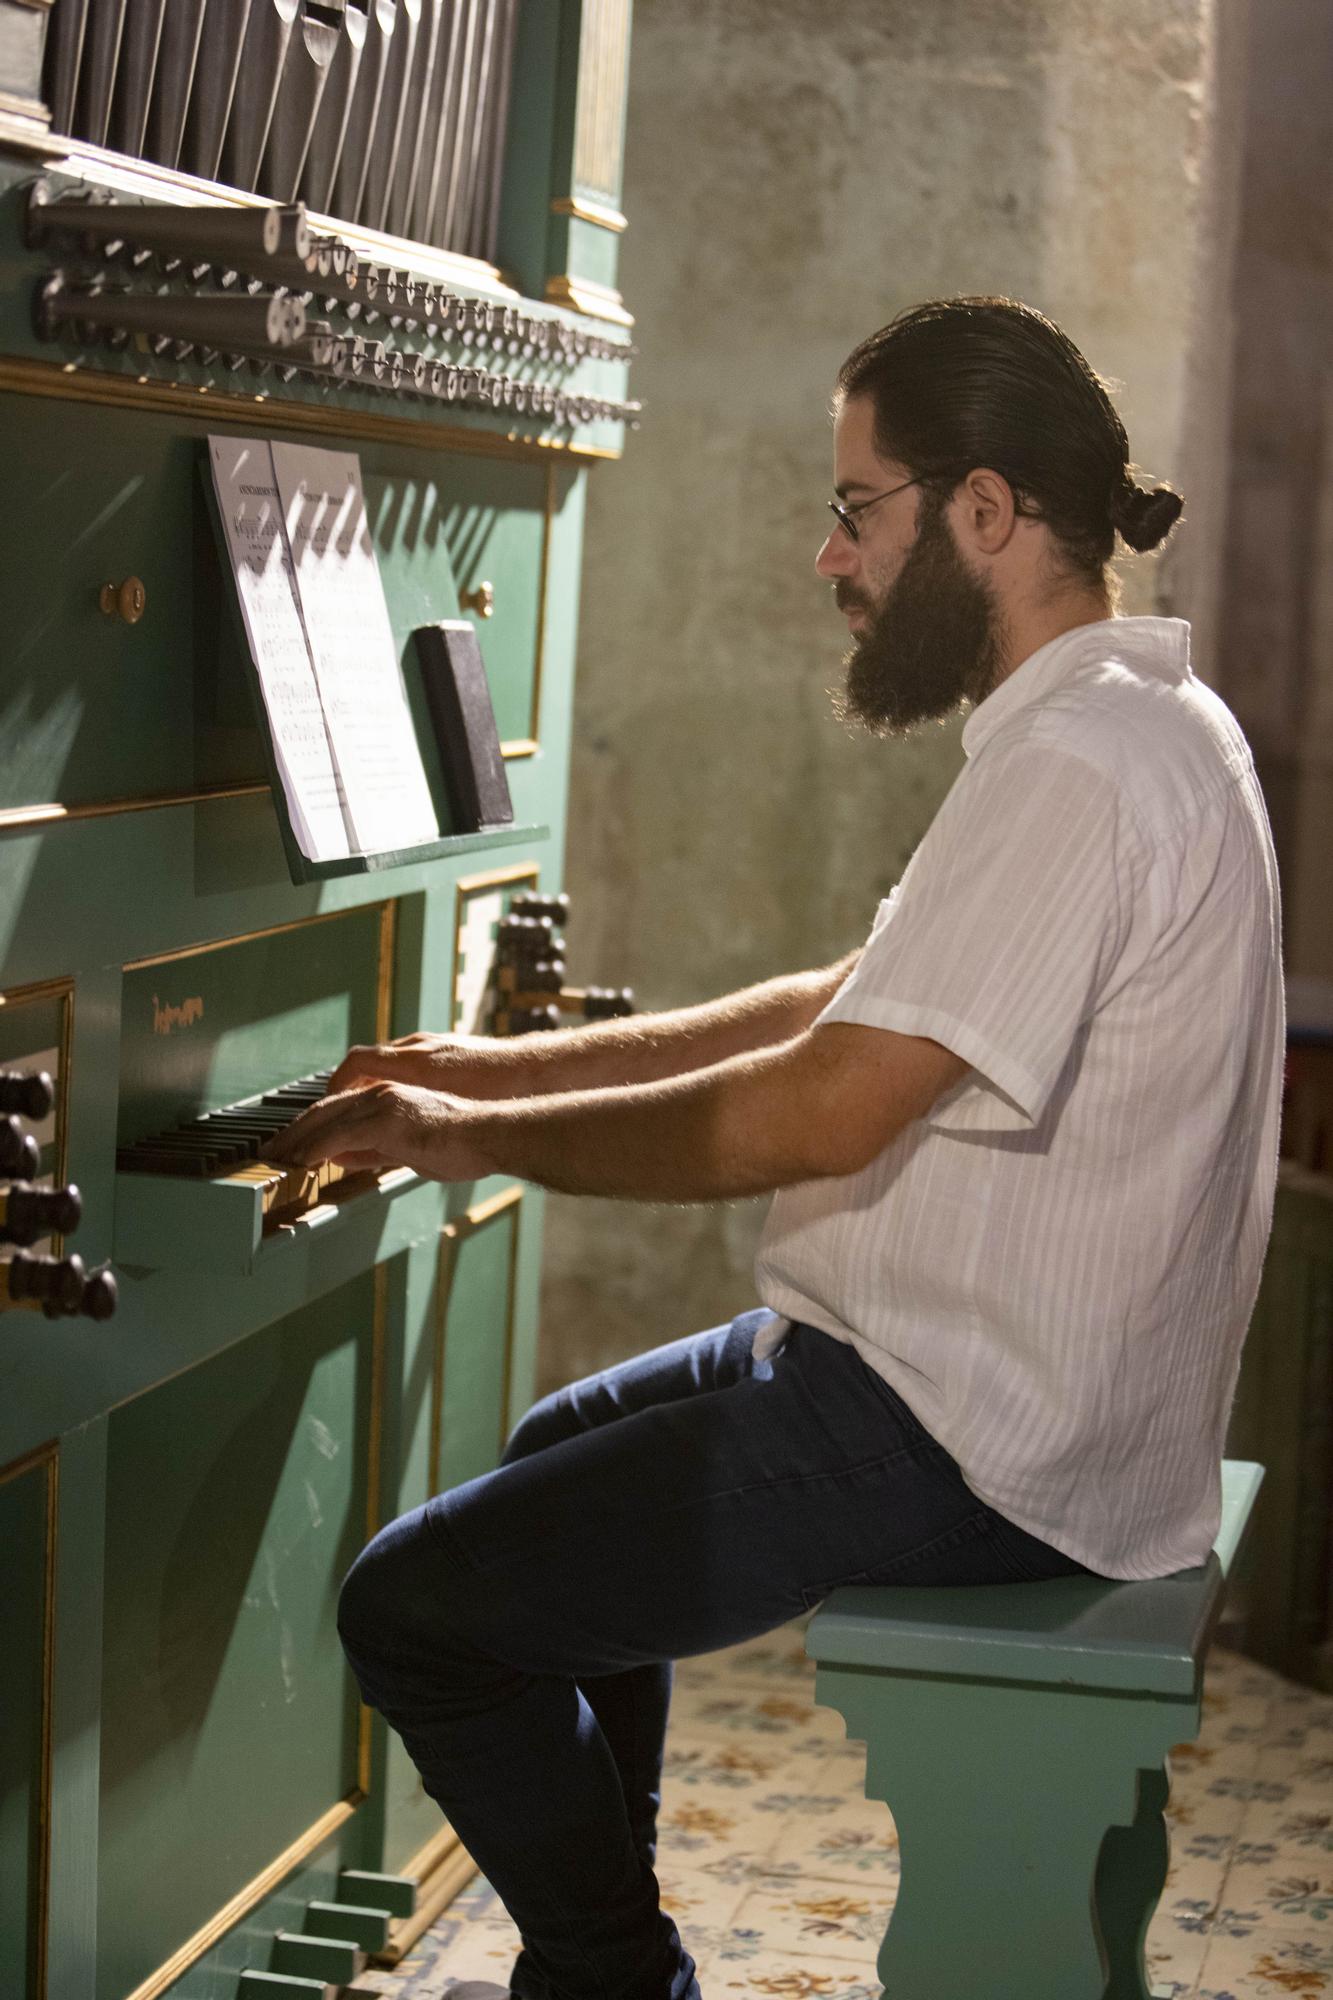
{"x": 460, "y": 708}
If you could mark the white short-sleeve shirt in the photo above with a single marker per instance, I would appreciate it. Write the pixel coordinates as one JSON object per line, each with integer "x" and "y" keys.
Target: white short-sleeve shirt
{"x": 1056, "y": 1267}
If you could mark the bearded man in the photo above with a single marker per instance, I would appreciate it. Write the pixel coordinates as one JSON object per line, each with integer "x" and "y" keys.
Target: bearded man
{"x": 1022, "y": 1147}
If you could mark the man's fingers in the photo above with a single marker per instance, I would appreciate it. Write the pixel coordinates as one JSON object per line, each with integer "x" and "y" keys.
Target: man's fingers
{"x": 317, "y": 1133}
{"x": 360, "y": 1066}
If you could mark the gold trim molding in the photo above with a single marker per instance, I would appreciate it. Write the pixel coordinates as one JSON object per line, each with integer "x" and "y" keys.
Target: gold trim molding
{"x": 584, "y": 210}
{"x": 275, "y": 930}
{"x": 471, "y": 885}
{"x": 47, "y": 1455}
{"x": 582, "y": 295}
{"x": 245, "y": 1899}
{"x": 71, "y": 383}
{"x": 52, "y": 812}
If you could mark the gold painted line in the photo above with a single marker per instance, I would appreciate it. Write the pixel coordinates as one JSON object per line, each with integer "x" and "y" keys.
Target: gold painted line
{"x": 80, "y": 385}
{"x": 507, "y": 1375}
{"x": 245, "y": 1899}
{"x": 246, "y": 937}
{"x": 29, "y": 1461}
{"x": 520, "y": 746}
{"x": 44, "y": 1806}
{"x": 44, "y": 815}
{"x": 522, "y": 871}
{"x": 385, "y": 971}
{"x": 41, "y": 989}
{"x": 543, "y": 579}
{"x": 444, "y": 1264}
{"x": 378, "y": 1343}
{"x": 589, "y": 211}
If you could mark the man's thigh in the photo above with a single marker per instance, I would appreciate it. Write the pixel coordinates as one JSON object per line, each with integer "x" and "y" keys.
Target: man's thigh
{"x": 695, "y": 1520}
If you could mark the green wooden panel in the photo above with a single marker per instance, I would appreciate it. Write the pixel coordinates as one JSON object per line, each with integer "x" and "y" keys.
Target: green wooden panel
{"x": 489, "y": 518}
{"x": 236, "y": 1499}
{"x": 218, "y": 1025}
{"x": 23, "y": 1586}
{"x": 477, "y": 1280}
{"x": 93, "y": 709}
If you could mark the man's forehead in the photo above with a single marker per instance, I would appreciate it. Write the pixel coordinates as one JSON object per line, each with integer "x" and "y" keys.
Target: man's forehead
{"x": 858, "y": 467}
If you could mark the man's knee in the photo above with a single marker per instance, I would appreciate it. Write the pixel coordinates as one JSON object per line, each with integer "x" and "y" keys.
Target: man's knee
{"x": 546, "y": 1423}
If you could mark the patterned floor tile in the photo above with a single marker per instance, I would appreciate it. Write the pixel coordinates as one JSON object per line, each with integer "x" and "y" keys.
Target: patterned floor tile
{"x": 1266, "y": 1964}
{"x": 818, "y": 1921}
{"x": 858, "y": 1844}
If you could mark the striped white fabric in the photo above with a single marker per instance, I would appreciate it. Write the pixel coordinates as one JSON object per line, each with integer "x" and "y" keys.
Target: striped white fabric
{"x": 1055, "y": 1270}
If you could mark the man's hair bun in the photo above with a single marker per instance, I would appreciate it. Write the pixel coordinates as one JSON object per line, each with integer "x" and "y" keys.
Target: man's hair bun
{"x": 1145, "y": 518}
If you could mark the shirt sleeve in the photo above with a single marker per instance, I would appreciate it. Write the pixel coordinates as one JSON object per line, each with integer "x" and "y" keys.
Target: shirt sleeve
{"x": 1004, "y": 930}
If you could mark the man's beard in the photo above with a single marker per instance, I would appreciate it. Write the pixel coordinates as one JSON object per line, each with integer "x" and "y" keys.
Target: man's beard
{"x": 935, "y": 642}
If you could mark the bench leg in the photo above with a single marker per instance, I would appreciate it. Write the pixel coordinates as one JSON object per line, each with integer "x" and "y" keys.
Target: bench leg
{"x": 1131, "y": 1874}
{"x": 1004, "y": 1799}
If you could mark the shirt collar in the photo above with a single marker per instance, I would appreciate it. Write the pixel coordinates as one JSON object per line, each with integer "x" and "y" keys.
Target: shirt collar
{"x": 1156, "y": 646}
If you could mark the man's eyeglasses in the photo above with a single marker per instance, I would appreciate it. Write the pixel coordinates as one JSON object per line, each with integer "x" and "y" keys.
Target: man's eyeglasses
{"x": 847, "y": 515}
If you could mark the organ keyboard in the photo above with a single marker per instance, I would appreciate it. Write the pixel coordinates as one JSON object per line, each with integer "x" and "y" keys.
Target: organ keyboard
{"x": 228, "y": 1144}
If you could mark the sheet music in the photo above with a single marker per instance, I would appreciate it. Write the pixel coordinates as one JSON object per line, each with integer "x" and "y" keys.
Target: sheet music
{"x": 252, "y": 520}
{"x": 341, "y": 599}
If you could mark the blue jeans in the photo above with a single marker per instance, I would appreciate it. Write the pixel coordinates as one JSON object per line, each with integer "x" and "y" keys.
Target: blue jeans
{"x": 519, "y": 1630}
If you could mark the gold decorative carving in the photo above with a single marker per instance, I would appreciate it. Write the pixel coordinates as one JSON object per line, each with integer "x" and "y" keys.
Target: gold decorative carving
{"x": 168, "y": 1017}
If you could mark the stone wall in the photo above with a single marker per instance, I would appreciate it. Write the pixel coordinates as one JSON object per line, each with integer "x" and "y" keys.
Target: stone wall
{"x": 797, "y": 173}
{"x": 1276, "y": 660}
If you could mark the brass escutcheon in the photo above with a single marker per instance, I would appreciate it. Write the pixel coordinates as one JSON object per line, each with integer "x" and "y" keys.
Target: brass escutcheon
{"x": 123, "y": 600}
{"x": 481, "y": 600}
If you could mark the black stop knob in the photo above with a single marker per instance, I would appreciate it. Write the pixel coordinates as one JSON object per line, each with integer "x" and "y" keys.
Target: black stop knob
{"x": 19, "y": 1154}
{"x": 27, "y": 1213}
{"x": 31, "y": 1096}
{"x": 54, "y": 1283}
{"x": 99, "y": 1295}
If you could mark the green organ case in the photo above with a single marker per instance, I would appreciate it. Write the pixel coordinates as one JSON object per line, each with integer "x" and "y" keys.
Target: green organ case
{"x": 185, "y": 1766}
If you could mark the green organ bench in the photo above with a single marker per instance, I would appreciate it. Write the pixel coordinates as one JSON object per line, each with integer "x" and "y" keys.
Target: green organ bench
{"x": 1018, "y": 1734}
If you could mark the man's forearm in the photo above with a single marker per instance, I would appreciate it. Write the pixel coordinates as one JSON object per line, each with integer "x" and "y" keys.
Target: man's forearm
{"x": 651, "y": 1047}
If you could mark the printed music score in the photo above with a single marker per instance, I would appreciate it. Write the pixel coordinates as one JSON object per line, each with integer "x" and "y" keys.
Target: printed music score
{"x": 312, "y": 602}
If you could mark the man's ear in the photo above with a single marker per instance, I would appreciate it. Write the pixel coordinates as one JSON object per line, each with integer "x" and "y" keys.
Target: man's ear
{"x": 984, "y": 511}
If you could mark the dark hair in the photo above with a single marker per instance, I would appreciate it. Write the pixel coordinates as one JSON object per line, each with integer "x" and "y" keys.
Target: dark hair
{"x": 962, "y": 383}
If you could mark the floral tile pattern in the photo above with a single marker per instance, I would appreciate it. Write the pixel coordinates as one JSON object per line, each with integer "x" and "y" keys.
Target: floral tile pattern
{"x": 782, "y": 1874}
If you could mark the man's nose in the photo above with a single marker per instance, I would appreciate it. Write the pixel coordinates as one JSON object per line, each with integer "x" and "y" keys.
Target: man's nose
{"x": 838, "y": 556}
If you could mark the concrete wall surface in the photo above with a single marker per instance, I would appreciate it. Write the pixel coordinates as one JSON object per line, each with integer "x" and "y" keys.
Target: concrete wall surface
{"x": 796, "y": 173}
{"x": 1276, "y": 660}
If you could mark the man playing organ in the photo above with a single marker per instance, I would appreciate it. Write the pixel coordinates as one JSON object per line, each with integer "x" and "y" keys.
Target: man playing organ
{"x": 1022, "y": 1147}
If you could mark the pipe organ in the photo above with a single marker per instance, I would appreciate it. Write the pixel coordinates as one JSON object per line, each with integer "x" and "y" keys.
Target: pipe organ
{"x": 380, "y": 229}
